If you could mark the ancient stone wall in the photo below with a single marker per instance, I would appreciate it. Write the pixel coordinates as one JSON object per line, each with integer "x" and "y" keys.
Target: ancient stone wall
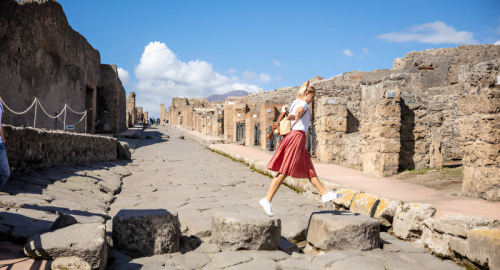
{"x": 43, "y": 57}
{"x": 29, "y": 148}
{"x": 480, "y": 129}
{"x": 130, "y": 107}
{"x": 109, "y": 91}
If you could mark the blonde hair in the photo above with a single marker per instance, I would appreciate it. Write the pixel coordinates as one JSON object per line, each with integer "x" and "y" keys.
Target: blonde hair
{"x": 305, "y": 87}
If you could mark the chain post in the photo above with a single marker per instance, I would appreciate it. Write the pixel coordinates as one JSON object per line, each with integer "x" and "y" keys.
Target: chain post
{"x": 64, "y": 128}
{"x": 36, "y": 106}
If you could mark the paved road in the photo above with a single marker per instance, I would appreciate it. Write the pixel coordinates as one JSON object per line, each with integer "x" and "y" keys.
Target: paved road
{"x": 182, "y": 176}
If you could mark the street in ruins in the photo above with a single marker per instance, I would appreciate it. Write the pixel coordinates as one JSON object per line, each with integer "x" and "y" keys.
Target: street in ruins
{"x": 181, "y": 176}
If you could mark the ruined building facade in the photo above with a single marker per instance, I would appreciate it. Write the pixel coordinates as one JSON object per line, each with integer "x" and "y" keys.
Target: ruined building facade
{"x": 435, "y": 107}
{"x": 43, "y": 57}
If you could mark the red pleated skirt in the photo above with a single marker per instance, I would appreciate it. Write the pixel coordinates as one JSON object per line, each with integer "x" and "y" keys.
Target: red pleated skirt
{"x": 292, "y": 157}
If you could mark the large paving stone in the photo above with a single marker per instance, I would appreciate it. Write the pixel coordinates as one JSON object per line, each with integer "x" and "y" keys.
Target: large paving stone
{"x": 228, "y": 258}
{"x": 391, "y": 244}
{"x": 484, "y": 247}
{"x": 190, "y": 260}
{"x": 325, "y": 260}
{"x": 86, "y": 241}
{"x": 145, "y": 232}
{"x": 245, "y": 230}
{"x": 409, "y": 220}
{"x": 358, "y": 263}
{"x": 266, "y": 254}
{"x": 253, "y": 265}
{"x": 291, "y": 263}
{"x": 343, "y": 231}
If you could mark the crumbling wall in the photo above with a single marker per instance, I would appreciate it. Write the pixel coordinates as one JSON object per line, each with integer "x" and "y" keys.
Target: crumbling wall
{"x": 130, "y": 107}
{"x": 43, "y": 57}
{"x": 108, "y": 106}
{"x": 480, "y": 129}
{"x": 31, "y": 148}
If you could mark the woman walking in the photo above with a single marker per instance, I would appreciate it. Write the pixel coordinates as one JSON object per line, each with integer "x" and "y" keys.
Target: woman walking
{"x": 291, "y": 157}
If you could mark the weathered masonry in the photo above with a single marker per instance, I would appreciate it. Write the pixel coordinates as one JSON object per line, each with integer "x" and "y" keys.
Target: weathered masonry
{"x": 43, "y": 57}
{"x": 434, "y": 108}
{"x": 197, "y": 114}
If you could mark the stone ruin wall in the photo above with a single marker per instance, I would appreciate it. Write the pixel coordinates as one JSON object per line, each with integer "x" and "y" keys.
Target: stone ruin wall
{"x": 29, "y": 148}
{"x": 110, "y": 102}
{"x": 43, "y": 57}
{"x": 426, "y": 84}
{"x": 479, "y": 127}
{"x": 130, "y": 108}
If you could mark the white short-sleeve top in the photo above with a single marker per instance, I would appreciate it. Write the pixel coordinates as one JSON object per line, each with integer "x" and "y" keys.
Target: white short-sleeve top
{"x": 304, "y": 122}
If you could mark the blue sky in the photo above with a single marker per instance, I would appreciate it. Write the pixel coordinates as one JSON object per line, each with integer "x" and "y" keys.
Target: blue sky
{"x": 198, "y": 48}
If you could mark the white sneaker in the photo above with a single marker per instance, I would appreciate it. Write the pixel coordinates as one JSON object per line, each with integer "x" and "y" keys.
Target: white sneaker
{"x": 330, "y": 196}
{"x": 266, "y": 205}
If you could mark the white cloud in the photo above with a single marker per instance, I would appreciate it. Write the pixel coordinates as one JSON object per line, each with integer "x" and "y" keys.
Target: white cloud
{"x": 433, "y": 32}
{"x": 365, "y": 50}
{"x": 497, "y": 43}
{"x": 249, "y": 75}
{"x": 123, "y": 75}
{"x": 277, "y": 63}
{"x": 231, "y": 71}
{"x": 347, "y": 52}
{"x": 361, "y": 56}
{"x": 162, "y": 76}
{"x": 264, "y": 77}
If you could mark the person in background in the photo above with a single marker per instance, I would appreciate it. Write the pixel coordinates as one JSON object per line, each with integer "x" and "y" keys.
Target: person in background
{"x": 4, "y": 162}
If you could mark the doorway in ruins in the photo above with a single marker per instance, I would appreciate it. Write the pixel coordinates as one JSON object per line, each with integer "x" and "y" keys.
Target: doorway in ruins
{"x": 89, "y": 103}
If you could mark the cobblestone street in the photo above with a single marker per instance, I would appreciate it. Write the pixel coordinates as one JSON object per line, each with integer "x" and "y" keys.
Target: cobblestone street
{"x": 181, "y": 176}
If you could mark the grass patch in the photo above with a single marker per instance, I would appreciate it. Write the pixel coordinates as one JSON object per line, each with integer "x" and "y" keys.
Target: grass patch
{"x": 292, "y": 188}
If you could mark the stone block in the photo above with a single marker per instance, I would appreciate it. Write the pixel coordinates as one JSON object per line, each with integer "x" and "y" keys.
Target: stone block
{"x": 343, "y": 231}
{"x": 245, "y": 231}
{"x": 86, "y": 241}
{"x": 436, "y": 242}
{"x": 146, "y": 232}
{"x": 409, "y": 219}
{"x": 386, "y": 209}
{"x": 458, "y": 245}
{"x": 484, "y": 247}
{"x": 346, "y": 197}
{"x": 459, "y": 225}
{"x": 70, "y": 263}
{"x": 364, "y": 204}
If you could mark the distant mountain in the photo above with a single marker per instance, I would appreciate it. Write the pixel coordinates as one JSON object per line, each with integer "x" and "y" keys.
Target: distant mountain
{"x": 222, "y": 97}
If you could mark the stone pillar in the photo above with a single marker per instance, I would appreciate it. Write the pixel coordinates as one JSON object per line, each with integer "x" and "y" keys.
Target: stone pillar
{"x": 331, "y": 125}
{"x": 162, "y": 113}
{"x": 381, "y": 130}
{"x": 146, "y": 118}
{"x": 131, "y": 108}
{"x": 480, "y": 129}
{"x": 251, "y": 119}
{"x": 229, "y": 123}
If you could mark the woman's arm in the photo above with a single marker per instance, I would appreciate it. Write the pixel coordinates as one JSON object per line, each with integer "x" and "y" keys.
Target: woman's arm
{"x": 298, "y": 114}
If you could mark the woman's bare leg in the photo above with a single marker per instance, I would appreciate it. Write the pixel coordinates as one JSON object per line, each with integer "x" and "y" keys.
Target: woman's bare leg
{"x": 317, "y": 184}
{"x": 275, "y": 184}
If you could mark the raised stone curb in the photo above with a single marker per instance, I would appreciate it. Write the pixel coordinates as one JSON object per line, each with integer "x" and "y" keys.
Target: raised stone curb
{"x": 145, "y": 232}
{"x": 364, "y": 204}
{"x": 245, "y": 230}
{"x": 409, "y": 220}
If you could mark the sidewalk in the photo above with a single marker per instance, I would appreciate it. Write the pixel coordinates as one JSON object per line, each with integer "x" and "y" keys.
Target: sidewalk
{"x": 383, "y": 187}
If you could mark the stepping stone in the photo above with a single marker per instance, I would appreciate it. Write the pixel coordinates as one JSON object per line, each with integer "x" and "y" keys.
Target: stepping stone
{"x": 146, "y": 232}
{"x": 85, "y": 241}
{"x": 245, "y": 231}
{"x": 343, "y": 231}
